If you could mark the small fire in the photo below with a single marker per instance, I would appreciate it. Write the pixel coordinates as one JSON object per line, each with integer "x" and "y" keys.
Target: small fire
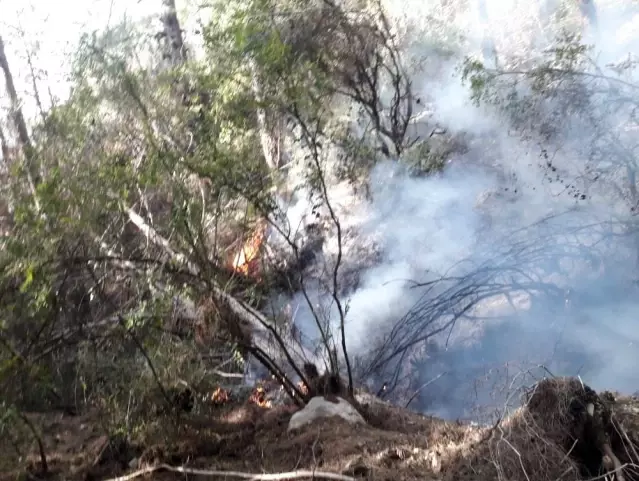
{"x": 246, "y": 261}
{"x": 302, "y": 387}
{"x": 258, "y": 397}
{"x": 220, "y": 396}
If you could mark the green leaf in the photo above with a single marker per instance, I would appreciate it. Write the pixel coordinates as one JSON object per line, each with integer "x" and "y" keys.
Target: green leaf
{"x": 28, "y": 278}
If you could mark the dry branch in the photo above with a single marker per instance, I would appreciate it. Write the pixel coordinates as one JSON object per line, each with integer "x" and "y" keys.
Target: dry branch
{"x": 300, "y": 474}
{"x": 615, "y": 460}
{"x": 264, "y": 334}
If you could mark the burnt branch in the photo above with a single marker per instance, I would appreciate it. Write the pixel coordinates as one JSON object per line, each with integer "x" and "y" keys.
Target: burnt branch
{"x": 520, "y": 263}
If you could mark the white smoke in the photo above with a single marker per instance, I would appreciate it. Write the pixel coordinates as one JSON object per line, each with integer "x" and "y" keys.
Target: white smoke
{"x": 490, "y": 210}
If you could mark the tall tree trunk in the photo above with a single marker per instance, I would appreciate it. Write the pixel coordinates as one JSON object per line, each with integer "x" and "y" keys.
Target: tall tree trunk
{"x": 18, "y": 120}
{"x": 34, "y": 84}
{"x": 32, "y": 72}
{"x": 6, "y": 202}
{"x": 174, "y": 52}
{"x": 488, "y": 48}
{"x": 4, "y": 146}
{"x": 270, "y": 146}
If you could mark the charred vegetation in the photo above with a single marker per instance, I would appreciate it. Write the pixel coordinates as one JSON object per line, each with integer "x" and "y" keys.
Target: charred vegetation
{"x": 329, "y": 385}
{"x": 182, "y": 400}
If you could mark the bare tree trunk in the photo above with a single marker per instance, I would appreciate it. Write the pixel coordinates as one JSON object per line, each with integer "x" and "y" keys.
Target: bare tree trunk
{"x": 276, "y": 343}
{"x": 18, "y": 120}
{"x": 174, "y": 50}
{"x": 6, "y": 203}
{"x": 4, "y": 147}
{"x": 489, "y": 51}
{"x": 270, "y": 147}
{"x": 32, "y": 71}
{"x": 34, "y": 85}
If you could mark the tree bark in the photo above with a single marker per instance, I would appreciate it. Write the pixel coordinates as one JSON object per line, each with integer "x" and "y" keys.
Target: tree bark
{"x": 4, "y": 147}
{"x": 174, "y": 54}
{"x": 270, "y": 146}
{"x": 18, "y": 120}
{"x": 34, "y": 85}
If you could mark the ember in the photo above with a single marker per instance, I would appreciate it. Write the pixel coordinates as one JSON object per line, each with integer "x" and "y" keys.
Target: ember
{"x": 220, "y": 396}
{"x": 258, "y": 397}
{"x": 302, "y": 387}
{"x": 246, "y": 261}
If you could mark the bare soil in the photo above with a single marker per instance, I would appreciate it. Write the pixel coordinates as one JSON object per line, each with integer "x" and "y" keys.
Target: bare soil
{"x": 396, "y": 445}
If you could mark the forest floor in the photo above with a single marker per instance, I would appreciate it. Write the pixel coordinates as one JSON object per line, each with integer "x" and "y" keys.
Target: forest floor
{"x": 248, "y": 441}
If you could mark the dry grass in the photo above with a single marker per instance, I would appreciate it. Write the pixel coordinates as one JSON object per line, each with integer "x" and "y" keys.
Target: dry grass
{"x": 559, "y": 407}
{"x": 516, "y": 449}
{"x": 520, "y": 449}
{"x": 553, "y": 437}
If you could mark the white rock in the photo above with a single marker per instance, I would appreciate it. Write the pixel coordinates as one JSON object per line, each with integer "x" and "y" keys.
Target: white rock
{"x": 320, "y": 408}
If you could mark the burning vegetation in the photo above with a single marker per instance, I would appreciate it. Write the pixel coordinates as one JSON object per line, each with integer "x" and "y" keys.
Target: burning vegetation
{"x": 264, "y": 391}
{"x": 220, "y": 396}
{"x": 258, "y": 397}
{"x": 261, "y": 395}
{"x": 247, "y": 260}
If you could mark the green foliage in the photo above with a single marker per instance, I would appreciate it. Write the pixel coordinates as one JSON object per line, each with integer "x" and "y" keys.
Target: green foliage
{"x": 121, "y": 140}
{"x": 566, "y": 61}
{"x": 150, "y": 178}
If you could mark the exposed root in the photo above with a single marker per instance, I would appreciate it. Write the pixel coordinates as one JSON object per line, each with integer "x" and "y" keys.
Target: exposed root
{"x": 571, "y": 413}
{"x": 520, "y": 450}
{"x": 563, "y": 432}
{"x": 615, "y": 461}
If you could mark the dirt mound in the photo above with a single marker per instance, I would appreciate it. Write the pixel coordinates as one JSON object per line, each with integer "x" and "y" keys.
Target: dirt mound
{"x": 560, "y": 433}
{"x": 564, "y": 431}
{"x": 397, "y": 446}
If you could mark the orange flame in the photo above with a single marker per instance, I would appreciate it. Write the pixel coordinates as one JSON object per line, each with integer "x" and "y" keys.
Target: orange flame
{"x": 246, "y": 261}
{"x": 258, "y": 397}
{"x": 220, "y": 396}
{"x": 302, "y": 387}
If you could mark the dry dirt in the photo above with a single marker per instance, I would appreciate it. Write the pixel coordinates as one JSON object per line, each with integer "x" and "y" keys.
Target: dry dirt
{"x": 397, "y": 445}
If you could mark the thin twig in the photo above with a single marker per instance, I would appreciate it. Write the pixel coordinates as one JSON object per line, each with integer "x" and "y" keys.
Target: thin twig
{"x": 416, "y": 393}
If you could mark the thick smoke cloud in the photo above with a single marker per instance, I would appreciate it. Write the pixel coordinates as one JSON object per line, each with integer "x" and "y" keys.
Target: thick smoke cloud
{"x": 510, "y": 213}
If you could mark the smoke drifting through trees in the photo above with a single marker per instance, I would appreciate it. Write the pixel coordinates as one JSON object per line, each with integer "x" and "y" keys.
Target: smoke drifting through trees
{"x": 526, "y": 224}
{"x": 519, "y": 254}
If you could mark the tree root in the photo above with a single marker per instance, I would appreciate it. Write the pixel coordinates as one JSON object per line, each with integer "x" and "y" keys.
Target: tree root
{"x": 605, "y": 447}
{"x": 607, "y": 450}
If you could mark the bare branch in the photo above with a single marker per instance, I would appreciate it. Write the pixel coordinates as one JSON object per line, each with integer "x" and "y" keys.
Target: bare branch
{"x": 236, "y": 474}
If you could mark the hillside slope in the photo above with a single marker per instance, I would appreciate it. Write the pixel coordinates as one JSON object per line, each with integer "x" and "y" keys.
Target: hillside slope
{"x": 552, "y": 437}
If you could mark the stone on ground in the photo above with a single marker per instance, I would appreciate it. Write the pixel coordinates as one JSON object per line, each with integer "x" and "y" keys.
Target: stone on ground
{"x": 320, "y": 408}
